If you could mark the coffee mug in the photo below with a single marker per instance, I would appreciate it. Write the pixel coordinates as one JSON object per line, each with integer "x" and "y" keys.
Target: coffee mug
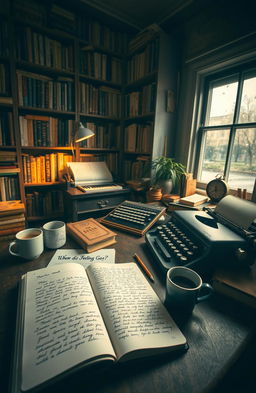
{"x": 184, "y": 289}
{"x": 29, "y": 243}
{"x": 54, "y": 234}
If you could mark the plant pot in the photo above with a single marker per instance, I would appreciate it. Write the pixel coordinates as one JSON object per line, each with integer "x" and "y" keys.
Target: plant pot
{"x": 166, "y": 186}
{"x": 154, "y": 194}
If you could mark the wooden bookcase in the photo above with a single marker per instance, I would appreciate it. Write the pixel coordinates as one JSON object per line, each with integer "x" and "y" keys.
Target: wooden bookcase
{"x": 59, "y": 66}
{"x": 149, "y": 118}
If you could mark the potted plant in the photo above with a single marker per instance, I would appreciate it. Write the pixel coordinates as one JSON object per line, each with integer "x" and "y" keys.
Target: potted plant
{"x": 166, "y": 173}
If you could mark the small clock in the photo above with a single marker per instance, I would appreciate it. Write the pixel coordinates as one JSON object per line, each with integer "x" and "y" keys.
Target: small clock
{"x": 216, "y": 189}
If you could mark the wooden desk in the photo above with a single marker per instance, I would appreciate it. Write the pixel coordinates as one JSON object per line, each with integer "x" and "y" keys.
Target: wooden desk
{"x": 217, "y": 333}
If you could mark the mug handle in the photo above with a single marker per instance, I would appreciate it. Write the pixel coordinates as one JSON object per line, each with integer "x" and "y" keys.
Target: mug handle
{"x": 204, "y": 297}
{"x": 10, "y": 249}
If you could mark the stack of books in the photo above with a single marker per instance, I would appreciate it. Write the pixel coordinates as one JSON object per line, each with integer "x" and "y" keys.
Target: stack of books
{"x": 192, "y": 202}
{"x": 12, "y": 219}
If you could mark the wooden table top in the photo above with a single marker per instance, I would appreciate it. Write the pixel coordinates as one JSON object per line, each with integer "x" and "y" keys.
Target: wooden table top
{"x": 217, "y": 333}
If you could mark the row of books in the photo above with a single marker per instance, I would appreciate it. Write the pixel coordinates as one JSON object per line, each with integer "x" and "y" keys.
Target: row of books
{"x": 140, "y": 102}
{"x": 12, "y": 219}
{"x": 106, "y": 136}
{"x": 101, "y": 66}
{"x": 138, "y": 138}
{"x": 45, "y": 131}
{"x": 9, "y": 188}
{"x": 88, "y": 29}
{"x": 6, "y": 129}
{"x": 103, "y": 101}
{"x": 44, "y": 92}
{"x": 136, "y": 169}
{"x": 4, "y": 80}
{"x": 44, "y": 168}
{"x": 40, "y": 49}
{"x": 4, "y": 38}
{"x": 143, "y": 63}
{"x": 44, "y": 204}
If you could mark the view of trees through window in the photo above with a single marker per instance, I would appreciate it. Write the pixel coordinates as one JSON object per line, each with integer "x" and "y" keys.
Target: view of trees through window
{"x": 229, "y": 131}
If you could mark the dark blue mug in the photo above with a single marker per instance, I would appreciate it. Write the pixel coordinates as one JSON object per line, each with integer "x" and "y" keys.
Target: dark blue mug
{"x": 184, "y": 289}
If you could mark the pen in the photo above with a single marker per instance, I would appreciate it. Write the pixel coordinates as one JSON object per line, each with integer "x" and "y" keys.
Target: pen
{"x": 144, "y": 267}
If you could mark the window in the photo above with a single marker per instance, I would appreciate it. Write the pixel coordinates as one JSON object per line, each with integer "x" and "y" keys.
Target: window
{"x": 228, "y": 129}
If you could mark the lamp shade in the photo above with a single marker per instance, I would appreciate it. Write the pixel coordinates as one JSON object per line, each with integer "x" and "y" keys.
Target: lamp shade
{"x": 83, "y": 133}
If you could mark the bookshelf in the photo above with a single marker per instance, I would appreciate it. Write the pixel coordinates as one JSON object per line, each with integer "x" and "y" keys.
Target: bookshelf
{"x": 60, "y": 65}
{"x": 152, "y": 69}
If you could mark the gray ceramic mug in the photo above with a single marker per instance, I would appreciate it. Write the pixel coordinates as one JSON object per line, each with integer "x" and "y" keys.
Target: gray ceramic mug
{"x": 184, "y": 288}
{"x": 54, "y": 234}
{"x": 28, "y": 244}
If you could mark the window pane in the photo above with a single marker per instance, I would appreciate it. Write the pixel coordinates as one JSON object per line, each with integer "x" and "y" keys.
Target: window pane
{"x": 243, "y": 162}
{"x": 214, "y": 153}
{"x": 248, "y": 102}
{"x": 221, "y": 103}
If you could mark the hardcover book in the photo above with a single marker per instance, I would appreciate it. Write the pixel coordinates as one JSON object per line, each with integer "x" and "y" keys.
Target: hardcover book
{"x": 69, "y": 318}
{"x": 91, "y": 235}
{"x": 194, "y": 200}
{"x": 9, "y": 208}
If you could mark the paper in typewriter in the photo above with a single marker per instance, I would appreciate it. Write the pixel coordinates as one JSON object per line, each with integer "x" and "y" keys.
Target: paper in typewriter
{"x": 90, "y": 173}
{"x": 239, "y": 211}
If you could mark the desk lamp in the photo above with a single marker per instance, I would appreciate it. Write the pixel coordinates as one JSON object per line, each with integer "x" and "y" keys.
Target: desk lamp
{"x": 83, "y": 133}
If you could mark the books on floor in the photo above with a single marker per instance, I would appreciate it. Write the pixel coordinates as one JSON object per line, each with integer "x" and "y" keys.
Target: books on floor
{"x": 91, "y": 235}
{"x": 69, "y": 318}
{"x": 12, "y": 219}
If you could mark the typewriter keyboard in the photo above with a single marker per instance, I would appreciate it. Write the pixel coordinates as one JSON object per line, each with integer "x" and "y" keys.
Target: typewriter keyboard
{"x": 172, "y": 246}
{"x": 133, "y": 216}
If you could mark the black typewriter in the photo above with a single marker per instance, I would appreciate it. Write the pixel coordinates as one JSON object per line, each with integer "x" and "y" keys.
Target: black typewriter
{"x": 202, "y": 240}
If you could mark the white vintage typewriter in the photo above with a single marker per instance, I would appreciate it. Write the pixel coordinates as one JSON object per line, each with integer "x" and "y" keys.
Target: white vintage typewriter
{"x": 91, "y": 177}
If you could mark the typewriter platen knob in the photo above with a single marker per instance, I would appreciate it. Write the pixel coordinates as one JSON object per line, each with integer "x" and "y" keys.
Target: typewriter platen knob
{"x": 241, "y": 254}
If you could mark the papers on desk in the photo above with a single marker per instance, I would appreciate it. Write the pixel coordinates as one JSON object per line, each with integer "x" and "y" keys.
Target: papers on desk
{"x": 79, "y": 256}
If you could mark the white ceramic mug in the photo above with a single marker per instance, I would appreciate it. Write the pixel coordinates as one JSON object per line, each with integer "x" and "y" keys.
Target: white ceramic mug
{"x": 29, "y": 243}
{"x": 185, "y": 288}
{"x": 54, "y": 234}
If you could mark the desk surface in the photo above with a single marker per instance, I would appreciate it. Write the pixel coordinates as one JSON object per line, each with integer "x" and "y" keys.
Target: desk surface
{"x": 217, "y": 333}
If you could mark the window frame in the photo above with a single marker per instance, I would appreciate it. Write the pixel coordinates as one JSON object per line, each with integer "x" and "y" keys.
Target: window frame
{"x": 242, "y": 72}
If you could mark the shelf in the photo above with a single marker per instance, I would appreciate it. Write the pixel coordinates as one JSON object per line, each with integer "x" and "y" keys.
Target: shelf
{"x": 137, "y": 153}
{"x": 86, "y": 47}
{"x": 58, "y": 34}
{"x": 89, "y": 115}
{"x": 66, "y": 148}
{"x": 45, "y": 110}
{"x": 35, "y": 68}
{"x": 99, "y": 149}
{"x": 44, "y": 184}
{"x": 9, "y": 171}
{"x": 8, "y": 147}
{"x": 142, "y": 81}
{"x": 147, "y": 116}
{"x": 100, "y": 81}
